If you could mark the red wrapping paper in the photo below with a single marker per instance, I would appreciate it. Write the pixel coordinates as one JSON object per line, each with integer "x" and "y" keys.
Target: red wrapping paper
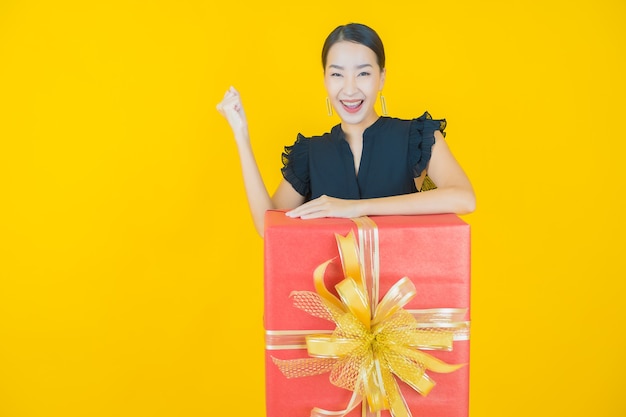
{"x": 432, "y": 251}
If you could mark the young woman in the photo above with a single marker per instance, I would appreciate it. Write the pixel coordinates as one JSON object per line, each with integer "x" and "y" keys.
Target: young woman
{"x": 366, "y": 165}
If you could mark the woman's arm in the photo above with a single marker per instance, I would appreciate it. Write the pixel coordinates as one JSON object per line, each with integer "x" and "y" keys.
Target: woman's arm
{"x": 454, "y": 194}
{"x": 259, "y": 199}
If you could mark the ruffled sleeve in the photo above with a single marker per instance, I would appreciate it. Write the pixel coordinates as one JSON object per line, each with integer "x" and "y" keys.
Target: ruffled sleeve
{"x": 296, "y": 165}
{"x": 421, "y": 141}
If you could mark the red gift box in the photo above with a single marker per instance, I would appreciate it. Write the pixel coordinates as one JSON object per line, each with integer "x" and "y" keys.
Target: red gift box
{"x": 432, "y": 251}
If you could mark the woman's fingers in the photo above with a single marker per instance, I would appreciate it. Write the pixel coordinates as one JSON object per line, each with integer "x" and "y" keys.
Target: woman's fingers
{"x": 325, "y": 206}
{"x": 230, "y": 100}
{"x": 312, "y": 209}
{"x": 231, "y": 108}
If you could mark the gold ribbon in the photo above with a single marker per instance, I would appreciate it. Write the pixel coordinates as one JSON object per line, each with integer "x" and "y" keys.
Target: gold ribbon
{"x": 372, "y": 341}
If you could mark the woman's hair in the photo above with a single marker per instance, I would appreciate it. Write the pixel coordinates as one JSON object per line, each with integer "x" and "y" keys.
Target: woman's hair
{"x": 357, "y": 33}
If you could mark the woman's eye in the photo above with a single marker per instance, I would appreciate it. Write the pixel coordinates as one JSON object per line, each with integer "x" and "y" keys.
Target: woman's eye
{"x": 335, "y": 74}
{"x": 364, "y": 74}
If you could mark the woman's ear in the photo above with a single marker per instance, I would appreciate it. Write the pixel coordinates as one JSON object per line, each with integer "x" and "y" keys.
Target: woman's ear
{"x": 383, "y": 73}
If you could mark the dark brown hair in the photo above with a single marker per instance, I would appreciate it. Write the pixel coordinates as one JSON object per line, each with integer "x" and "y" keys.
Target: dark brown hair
{"x": 357, "y": 33}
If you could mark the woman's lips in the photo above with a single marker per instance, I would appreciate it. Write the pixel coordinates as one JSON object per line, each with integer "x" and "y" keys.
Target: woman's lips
{"x": 352, "y": 106}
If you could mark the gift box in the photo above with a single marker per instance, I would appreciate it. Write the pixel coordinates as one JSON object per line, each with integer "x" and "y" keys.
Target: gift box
{"x": 432, "y": 251}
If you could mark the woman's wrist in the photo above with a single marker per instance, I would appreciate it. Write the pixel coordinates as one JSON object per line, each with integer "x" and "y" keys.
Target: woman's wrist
{"x": 242, "y": 138}
{"x": 361, "y": 208}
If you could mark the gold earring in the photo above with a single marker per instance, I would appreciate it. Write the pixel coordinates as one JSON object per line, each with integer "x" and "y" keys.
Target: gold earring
{"x": 329, "y": 108}
{"x": 383, "y": 104}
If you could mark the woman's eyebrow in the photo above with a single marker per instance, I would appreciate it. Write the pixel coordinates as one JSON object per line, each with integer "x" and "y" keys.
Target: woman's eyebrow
{"x": 339, "y": 67}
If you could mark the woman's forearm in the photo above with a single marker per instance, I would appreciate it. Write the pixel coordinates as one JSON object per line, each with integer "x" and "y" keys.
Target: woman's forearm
{"x": 459, "y": 200}
{"x": 259, "y": 199}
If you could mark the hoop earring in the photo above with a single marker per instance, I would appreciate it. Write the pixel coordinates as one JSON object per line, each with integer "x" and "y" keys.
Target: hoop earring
{"x": 329, "y": 108}
{"x": 383, "y": 105}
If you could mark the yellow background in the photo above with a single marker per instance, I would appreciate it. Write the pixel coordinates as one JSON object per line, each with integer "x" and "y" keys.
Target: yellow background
{"x": 124, "y": 224}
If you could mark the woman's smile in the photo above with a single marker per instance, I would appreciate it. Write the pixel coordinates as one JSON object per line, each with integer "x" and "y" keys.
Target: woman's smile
{"x": 352, "y": 106}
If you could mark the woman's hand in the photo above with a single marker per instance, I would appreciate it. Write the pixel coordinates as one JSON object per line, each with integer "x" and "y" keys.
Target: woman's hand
{"x": 325, "y": 206}
{"x": 231, "y": 108}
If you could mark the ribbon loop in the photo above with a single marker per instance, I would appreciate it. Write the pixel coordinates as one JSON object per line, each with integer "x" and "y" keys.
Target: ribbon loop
{"x": 327, "y": 346}
{"x": 397, "y": 297}
{"x": 354, "y": 298}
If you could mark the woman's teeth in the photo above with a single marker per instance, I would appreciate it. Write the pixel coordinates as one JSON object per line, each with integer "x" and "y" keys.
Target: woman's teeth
{"x": 352, "y": 104}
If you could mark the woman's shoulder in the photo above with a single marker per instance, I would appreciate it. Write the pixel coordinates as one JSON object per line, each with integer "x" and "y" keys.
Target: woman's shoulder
{"x": 334, "y": 133}
{"x": 426, "y": 122}
{"x": 302, "y": 146}
{"x": 425, "y": 117}
{"x": 417, "y": 127}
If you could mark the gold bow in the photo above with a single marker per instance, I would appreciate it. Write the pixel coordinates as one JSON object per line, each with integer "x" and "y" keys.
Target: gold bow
{"x": 372, "y": 341}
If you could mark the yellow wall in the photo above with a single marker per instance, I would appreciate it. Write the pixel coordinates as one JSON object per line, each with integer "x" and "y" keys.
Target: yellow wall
{"x": 124, "y": 223}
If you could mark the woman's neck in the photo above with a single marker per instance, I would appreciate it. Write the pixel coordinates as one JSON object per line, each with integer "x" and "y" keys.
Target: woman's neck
{"x": 355, "y": 131}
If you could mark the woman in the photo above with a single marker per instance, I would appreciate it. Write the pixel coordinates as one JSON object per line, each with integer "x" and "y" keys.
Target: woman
{"x": 366, "y": 165}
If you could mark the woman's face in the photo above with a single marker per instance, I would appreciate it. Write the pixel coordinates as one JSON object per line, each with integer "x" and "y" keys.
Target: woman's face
{"x": 353, "y": 80}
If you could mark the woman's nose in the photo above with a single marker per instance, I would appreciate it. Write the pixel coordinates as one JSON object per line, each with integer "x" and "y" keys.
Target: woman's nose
{"x": 349, "y": 86}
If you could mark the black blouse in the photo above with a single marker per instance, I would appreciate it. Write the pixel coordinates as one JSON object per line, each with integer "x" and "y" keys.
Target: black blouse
{"x": 395, "y": 152}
